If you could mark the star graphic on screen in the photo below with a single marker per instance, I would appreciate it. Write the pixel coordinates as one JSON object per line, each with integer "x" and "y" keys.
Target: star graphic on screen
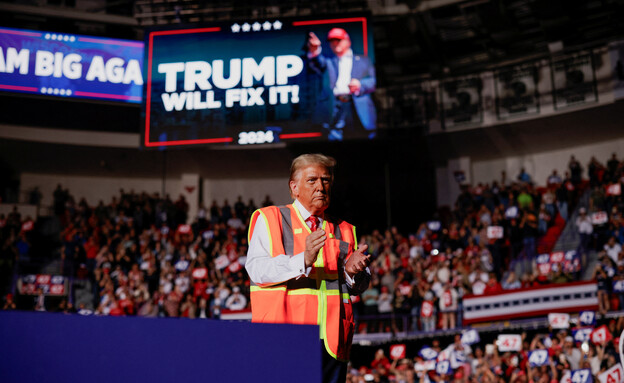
{"x": 256, "y": 26}
{"x": 277, "y": 25}
{"x": 266, "y": 26}
{"x": 246, "y": 27}
{"x": 235, "y": 28}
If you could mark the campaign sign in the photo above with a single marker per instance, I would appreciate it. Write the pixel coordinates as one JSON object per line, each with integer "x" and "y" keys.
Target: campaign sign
{"x": 587, "y": 318}
{"x": 565, "y": 378}
{"x": 599, "y": 218}
{"x": 222, "y": 262}
{"x": 397, "y": 351}
{"x": 618, "y": 286}
{"x": 538, "y": 358}
{"x": 571, "y": 262}
{"x": 185, "y": 229}
{"x": 509, "y": 342}
{"x": 470, "y": 337}
{"x": 600, "y": 335}
{"x": 427, "y": 365}
{"x": 495, "y": 232}
{"x": 444, "y": 368}
{"x": 559, "y": 320}
{"x": 542, "y": 258}
{"x": 427, "y": 309}
{"x": 49, "y": 284}
{"x": 581, "y": 376}
{"x": 28, "y": 226}
{"x": 434, "y": 225}
{"x": 69, "y": 65}
{"x": 557, "y": 257}
{"x": 614, "y": 189}
{"x": 544, "y": 268}
{"x": 427, "y": 353}
{"x": 460, "y": 176}
{"x": 511, "y": 212}
{"x": 613, "y": 375}
{"x": 457, "y": 359}
{"x": 200, "y": 273}
{"x": 582, "y": 334}
{"x": 255, "y": 81}
{"x": 234, "y": 267}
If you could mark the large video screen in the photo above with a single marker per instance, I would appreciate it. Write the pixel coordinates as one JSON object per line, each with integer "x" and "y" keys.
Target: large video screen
{"x": 68, "y": 65}
{"x": 260, "y": 81}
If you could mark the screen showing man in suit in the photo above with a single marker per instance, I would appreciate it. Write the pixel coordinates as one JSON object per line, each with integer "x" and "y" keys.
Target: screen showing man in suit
{"x": 253, "y": 82}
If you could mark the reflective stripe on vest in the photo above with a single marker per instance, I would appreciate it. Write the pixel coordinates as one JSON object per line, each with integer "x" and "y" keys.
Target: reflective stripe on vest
{"x": 321, "y": 298}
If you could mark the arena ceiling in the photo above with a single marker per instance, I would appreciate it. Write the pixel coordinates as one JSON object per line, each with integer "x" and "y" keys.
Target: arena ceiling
{"x": 413, "y": 38}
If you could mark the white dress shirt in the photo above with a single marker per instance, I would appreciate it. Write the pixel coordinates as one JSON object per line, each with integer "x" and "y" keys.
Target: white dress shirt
{"x": 345, "y": 66}
{"x": 265, "y": 270}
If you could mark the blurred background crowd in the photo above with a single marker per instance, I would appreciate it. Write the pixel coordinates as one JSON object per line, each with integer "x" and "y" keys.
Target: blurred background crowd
{"x": 136, "y": 255}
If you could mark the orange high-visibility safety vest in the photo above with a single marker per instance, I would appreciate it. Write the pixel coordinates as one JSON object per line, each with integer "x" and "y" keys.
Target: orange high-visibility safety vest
{"x": 321, "y": 298}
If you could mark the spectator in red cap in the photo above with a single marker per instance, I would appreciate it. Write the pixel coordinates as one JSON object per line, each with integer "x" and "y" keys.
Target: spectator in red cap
{"x": 9, "y": 304}
{"x": 351, "y": 79}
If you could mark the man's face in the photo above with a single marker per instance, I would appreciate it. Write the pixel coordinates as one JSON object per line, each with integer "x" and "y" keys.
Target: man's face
{"x": 311, "y": 187}
{"x": 340, "y": 47}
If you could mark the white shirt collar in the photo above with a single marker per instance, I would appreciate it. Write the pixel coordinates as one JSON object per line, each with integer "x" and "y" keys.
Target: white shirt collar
{"x": 302, "y": 210}
{"x": 348, "y": 54}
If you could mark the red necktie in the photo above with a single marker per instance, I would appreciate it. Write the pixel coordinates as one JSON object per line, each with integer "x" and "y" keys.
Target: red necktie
{"x": 312, "y": 222}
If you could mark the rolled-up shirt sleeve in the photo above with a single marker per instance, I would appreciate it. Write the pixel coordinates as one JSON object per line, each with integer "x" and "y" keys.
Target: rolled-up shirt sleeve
{"x": 265, "y": 270}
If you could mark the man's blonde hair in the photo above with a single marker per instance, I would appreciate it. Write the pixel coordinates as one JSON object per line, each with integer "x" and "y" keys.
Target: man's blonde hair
{"x": 311, "y": 159}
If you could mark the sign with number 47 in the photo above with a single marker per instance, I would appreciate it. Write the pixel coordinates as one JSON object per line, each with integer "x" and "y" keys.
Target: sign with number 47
{"x": 581, "y": 376}
{"x": 538, "y": 358}
{"x": 509, "y": 342}
{"x": 613, "y": 375}
{"x": 557, "y": 320}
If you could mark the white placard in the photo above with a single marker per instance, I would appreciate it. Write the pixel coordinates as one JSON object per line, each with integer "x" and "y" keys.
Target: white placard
{"x": 614, "y": 189}
{"x": 397, "y": 351}
{"x": 495, "y": 232}
{"x": 426, "y": 365}
{"x": 509, "y": 342}
{"x": 559, "y": 320}
{"x": 599, "y": 217}
{"x": 470, "y": 337}
{"x": 613, "y": 375}
{"x": 222, "y": 262}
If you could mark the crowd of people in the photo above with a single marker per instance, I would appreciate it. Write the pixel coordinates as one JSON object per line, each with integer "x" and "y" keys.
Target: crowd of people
{"x": 138, "y": 256}
{"x": 483, "y": 362}
{"x": 479, "y": 248}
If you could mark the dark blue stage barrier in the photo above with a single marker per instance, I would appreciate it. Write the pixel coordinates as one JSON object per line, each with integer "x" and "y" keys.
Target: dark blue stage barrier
{"x": 46, "y": 347}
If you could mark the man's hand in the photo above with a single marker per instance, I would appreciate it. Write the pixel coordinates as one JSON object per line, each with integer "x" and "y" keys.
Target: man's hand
{"x": 355, "y": 86}
{"x": 314, "y": 242}
{"x": 358, "y": 261}
{"x": 314, "y": 43}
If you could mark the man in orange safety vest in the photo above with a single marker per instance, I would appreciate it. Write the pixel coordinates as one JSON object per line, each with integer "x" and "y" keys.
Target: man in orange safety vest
{"x": 304, "y": 266}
